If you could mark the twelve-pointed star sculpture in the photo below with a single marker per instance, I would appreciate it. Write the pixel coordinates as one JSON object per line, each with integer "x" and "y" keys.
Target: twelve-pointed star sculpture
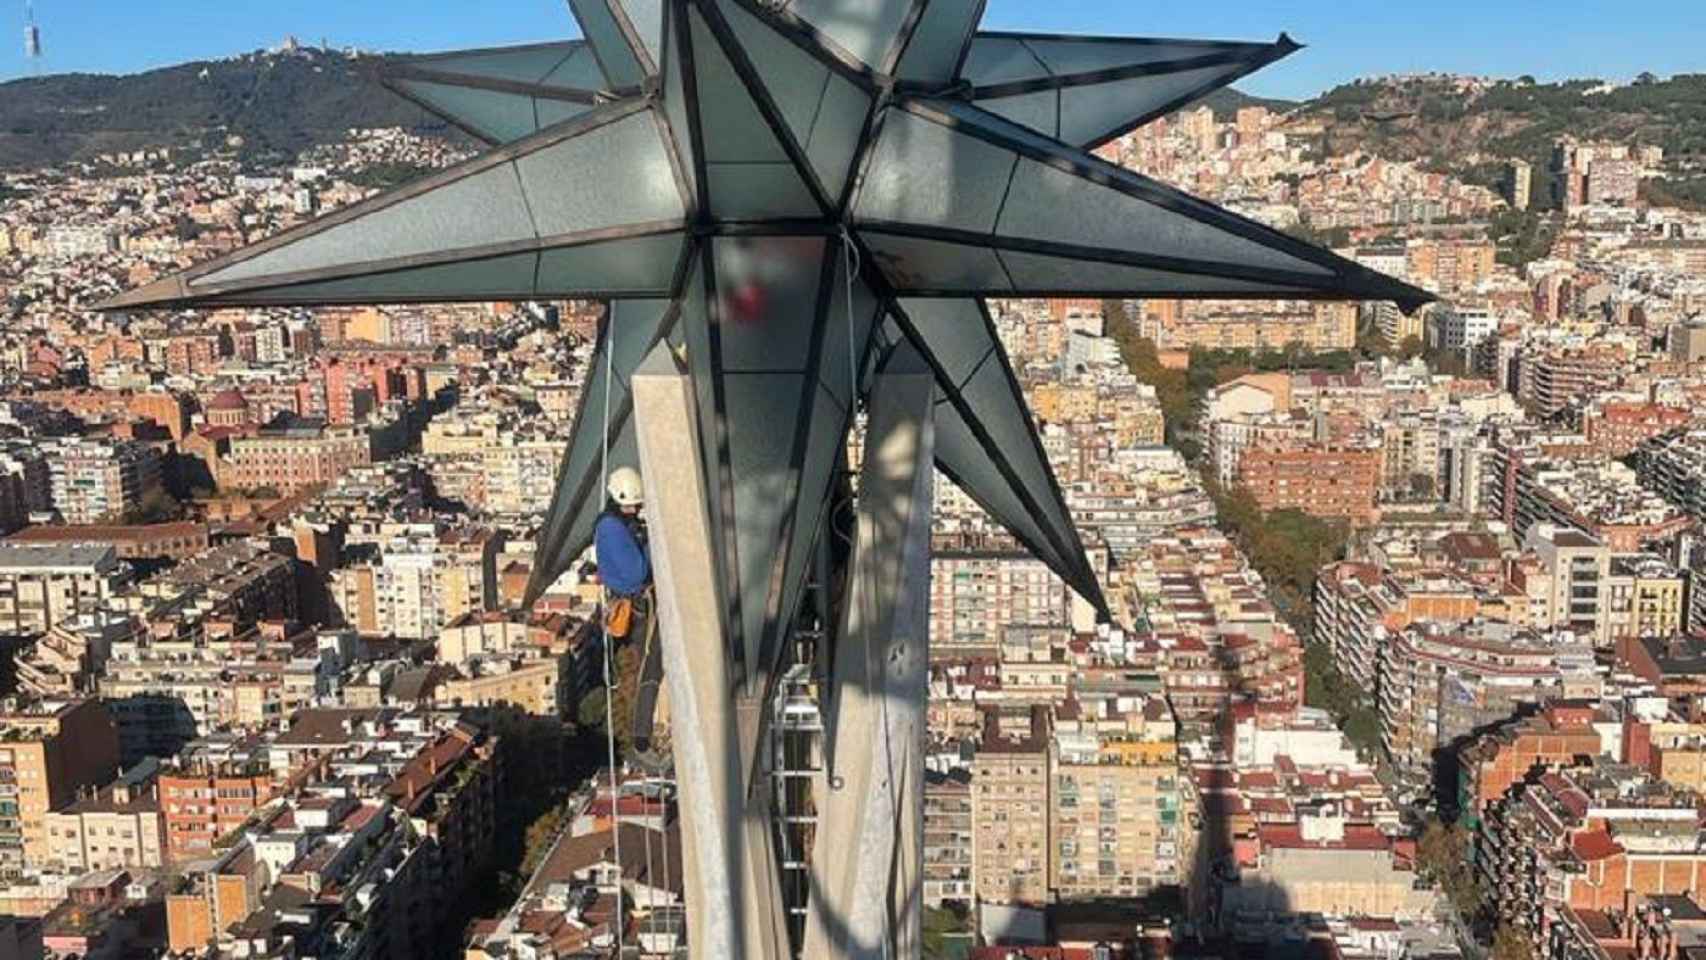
{"x": 783, "y": 190}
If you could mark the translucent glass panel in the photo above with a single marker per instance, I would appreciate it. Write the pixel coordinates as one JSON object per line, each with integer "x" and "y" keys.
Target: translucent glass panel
{"x": 434, "y": 221}
{"x": 834, "y": 372}
{"x": 914, "y": 265}
{"x": 528, "y": 64}
{"x": 960, "y": 338}
{"x": 459, "y": 87}
{"x": 567, "y": 531}
{"x": 695, "y": 327}
{"x": 675, "y": 105}
{"x": 551, "y": 112}
{"x": 615, "y": 56}
{"x": 580, "y": 71}
{"x": 1039, "y": 111}
{"x": 925, "y": 173}
{"x": 993, "y": 60}
{"x": 645, "y": 17}
{"x": 997, "y": 404}
{"x": 616, "y": 175}
{"x": 544, "y": 194}
{"x": 943, "y": 30}
{"x": 965, "y": 460}
{"x": 822, "y": 110}
{"x": 1063, "y": 56}
{"x": 494, "y": 278}
{"x": 742, "y": 153}
{"x": 493, "y": 115}
{"x": 1034, "y": 275}
{"x": 1094, "y": 114}
{"x": 767, "y": 291}
{"x": 640, "y": 266}
{"x": 931, "y": 172}
{"x": 1054, "y": 205}
{"x": 760, "y": 413}
{"x": 953, "y": 332}
{"x": 867, "y": 29}
{"x": 837, "y": 134}
{"x": 825, "y": 441}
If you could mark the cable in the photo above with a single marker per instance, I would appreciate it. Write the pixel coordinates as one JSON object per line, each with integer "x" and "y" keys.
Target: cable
{"x": 850, "y": 261}
{"x": 651, "y": 887}
{"x": 668, "y": 882}
{"x": 604, "y": 625}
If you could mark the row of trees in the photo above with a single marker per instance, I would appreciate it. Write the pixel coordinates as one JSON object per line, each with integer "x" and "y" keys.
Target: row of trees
{"x": 1445, "y": 854}
{"x": 1181, "y": 391}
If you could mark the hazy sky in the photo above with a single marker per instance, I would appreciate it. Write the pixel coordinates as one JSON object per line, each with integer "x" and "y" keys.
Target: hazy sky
{"x": 1547, "y": 38}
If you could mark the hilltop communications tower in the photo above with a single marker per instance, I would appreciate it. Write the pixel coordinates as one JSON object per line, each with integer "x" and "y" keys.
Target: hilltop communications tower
{"x": 32, "y": 38}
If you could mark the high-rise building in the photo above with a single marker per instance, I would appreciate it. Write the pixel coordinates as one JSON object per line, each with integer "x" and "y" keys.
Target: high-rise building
{"x": 1687, "y": 341}
{"x": 1521, "y": 177}
{"x": 1615, "y": 183}
{"x": 982, "y": 587}
{"x": 1010, "y": 808}
{"x": 48, "y": 752}
{"x": 420, "y": 582}
{"x": 948, "y": 838}
{"x": 96, "y": 482}
{"x": 1115, "y": 826}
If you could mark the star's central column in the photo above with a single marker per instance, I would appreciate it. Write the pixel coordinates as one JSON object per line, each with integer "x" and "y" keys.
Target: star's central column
{"x": 734, "y": 904}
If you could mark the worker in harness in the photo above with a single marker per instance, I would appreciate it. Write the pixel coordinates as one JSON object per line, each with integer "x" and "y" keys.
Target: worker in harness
{"x": 624, "y": 567}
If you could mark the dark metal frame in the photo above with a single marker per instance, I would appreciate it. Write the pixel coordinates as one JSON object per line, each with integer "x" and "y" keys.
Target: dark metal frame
{"x": 953, "y": 104}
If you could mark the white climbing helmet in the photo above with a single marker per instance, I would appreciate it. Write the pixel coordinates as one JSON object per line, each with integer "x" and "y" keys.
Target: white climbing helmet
{"x": 625, "y": 487}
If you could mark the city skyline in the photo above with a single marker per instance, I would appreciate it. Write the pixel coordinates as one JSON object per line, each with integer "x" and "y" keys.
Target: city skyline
{"x": 1610, "y": 43}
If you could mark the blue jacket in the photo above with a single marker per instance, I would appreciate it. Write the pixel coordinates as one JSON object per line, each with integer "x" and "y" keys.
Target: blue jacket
{"x": 622, "y": 562}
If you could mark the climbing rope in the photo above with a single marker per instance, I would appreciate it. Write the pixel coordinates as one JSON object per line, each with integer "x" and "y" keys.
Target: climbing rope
{"x": 604, "y": 625}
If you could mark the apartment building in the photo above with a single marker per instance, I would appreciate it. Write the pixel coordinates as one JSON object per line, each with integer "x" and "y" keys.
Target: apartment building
{"x": 203, "y": 798}
{"x": 1503, "y": 757}
{"x": 1600, "y": 497}
{"x": 1437, "y": 683}
{"x": 1591, "y": 836}
{"x": 1360, "y": 605}
{"x": 1556, "y": 379}
{"x": 1617, "y": 429}
{"x": 948, "y": 838}
{"x": 66, "y": 662}
{"x": 1321, "y": 480}
{"x": 1587, "y": 588}
{"x": 1673, "y": 465}
{"x": 419, "y": 581}
{"x": 1448, "y": 266}
{"x": 542, "y": 685}
{"x": 172, "y": 541}
{"x": 1010, "y": 808}
{"x": 43, "y": 585}
{"x": 48, "y": 752}
{"x": 95, "y": 481}
{"x": 982, "y": 586}
{"x": 1114, "y": 828}
{"x": 500, "y": 632}
{"x": 116, "y": 827}
{"x": 520, "y": 472}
